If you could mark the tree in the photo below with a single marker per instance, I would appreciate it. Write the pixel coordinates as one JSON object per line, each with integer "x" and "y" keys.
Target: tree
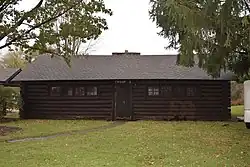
{"x": 52, "y": 26}
{"x": 10, "y": 96}
{"x": 9, "y": 99}
{"x": 13, "y": 60}
{"x": 216, "y": 32}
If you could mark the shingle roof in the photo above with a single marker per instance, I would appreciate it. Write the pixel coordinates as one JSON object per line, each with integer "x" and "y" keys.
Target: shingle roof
{"x": 6, "y": 74}
{"x": 111, "y": 67}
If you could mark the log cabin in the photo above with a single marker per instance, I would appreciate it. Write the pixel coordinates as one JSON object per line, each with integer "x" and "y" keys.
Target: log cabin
{"x": 123, "y": 85}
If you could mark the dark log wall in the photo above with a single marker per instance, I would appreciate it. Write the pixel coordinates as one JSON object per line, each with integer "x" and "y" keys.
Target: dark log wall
{"x": 211, "y": 101}
{"x": 40, "y": 104}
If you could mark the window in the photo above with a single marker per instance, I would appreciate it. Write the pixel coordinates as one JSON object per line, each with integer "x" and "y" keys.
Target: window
{"x": 166, "y": 90}
{"x": 80, "y": 91}
{"x": 68, "y": 91}
{"x": 92, "y": 91}
{"x": 153, "y": 91}
{"x": 191, "y": 91}
{"x": 55, "y": 91}
{"x": 179, "y": 91}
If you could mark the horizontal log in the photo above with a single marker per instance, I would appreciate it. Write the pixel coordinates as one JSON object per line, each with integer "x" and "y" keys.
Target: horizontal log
{"x": 211, "y": 87}
{"x": 68, "y": 98}
{"x": 203, "y": 100}
{"x": 177, "y": 106}
{"x": 173, "y": 98}
{"x": 37, "y": 109}
{"x": 40, "y": 86}
{"x": 105, "y": 90}
{"x": 101, "y": 94}
{"x": 74, "y": 113}
{"x": 177, "y": 110}
{"x": 183, "y": 112}
{"x": 195, "y": 118}
{"x": 139, "y": 87}
{"x": 37, "y": 90}
{"x": 139, "y": 91}
{"x": 37, "y": 94}
{"x": 43, "y": 116}
{"x": 106, "y": 94}
{"x": 62, "y": 105}
{"x": 172, "y": 95}
{"x": 215, "y": 91}
{"x": 213, "y": 94}
{"x": 68, "y": 102}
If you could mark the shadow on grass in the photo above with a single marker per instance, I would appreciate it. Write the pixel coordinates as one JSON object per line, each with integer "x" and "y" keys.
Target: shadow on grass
{"x": 5, "y": 130}
{"x": 85, "y": 131}
{"x": 10, "y": 117}
{"x": 7, "y": 120}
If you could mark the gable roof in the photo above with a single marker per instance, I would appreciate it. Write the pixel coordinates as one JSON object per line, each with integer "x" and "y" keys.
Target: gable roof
{"x": 6, "y": 74}
{"x": 111, "y": 67}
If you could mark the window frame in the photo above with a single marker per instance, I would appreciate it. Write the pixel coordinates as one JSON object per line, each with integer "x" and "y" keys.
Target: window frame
{"x": 196, "y": 92}
{"x": 153, "y": 90}
{"x": 181, "y": 93}
{"x": 90, "y": 95}
{"x": 80, "y": 95}
{"x": 51, "y": 91}
{"x": 174, "y": 91}
{"x": 168, "y": 93}
{"x": 64, "y": 88}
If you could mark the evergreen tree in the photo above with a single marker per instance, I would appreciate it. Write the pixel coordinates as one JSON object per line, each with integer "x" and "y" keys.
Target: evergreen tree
{"x": 216, "y": 32}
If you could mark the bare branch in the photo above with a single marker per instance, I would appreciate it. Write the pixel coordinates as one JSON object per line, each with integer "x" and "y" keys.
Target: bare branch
{"x": 28, "y": 24}
{"x": 247, "y": 5}
{"x": 25, "y": 16}
{"x": 5, "y": 4}
{"x": 34, "y": 27}
{"x": 44, "y": 50}
{"x": 91, "y": 44}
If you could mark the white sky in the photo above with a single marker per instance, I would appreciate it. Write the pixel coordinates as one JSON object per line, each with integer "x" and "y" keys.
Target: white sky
{"x": 129, "y": 29}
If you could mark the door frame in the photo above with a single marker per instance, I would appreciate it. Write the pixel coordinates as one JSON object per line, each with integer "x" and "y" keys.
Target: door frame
{"x": 130, "y": 107}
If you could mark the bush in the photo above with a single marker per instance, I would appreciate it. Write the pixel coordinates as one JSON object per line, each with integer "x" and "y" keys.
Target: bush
{"x": 9, "y": 98}
{"x": 237, "y": 102}
{"x": 237, "y": 93}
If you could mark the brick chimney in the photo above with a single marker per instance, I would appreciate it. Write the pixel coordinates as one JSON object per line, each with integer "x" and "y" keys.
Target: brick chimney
{"x": 126, "y": 53}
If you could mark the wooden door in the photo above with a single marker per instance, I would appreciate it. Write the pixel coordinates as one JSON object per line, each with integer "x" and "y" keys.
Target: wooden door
{"x": 123, "y": 102}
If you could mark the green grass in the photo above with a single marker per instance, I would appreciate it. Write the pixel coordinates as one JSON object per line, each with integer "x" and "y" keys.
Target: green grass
{"x": 142, "y": 143}
{"x": 47, "y": 127}
{"x": 237, "y": 110}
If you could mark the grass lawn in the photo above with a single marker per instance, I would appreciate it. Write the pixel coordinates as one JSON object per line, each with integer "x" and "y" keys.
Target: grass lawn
{"x": 237, "y": 110}
{"x": 47, "y": 127}
{"x": 142, "y": 143}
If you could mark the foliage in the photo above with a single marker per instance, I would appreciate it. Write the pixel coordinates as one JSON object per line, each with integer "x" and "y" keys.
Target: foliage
{"x": 17, "y": 59}
{"x": 216, "y": 33}
{"x": 142, "y": 143}
{"x": 237, "y": 93}
{"x": 13, "y": 60}
{"x": 9, "y": 96}
{"x": 52, "y": 26}
{"x": 8, "y": 99}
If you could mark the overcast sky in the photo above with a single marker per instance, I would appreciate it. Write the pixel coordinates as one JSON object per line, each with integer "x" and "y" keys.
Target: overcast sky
{"x": 129, "y": 29}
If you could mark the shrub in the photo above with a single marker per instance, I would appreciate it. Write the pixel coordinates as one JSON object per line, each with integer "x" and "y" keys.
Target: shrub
{"x": 237, "y": 93}
{"x": 8, "y": 100}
